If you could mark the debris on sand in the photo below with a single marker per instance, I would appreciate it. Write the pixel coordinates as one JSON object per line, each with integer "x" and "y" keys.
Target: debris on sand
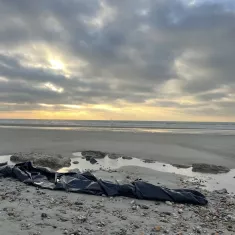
{"x": 209, "y": 168}
{"x": 93, "y": 160}
{"x": 148, "y": 161}
{"x": 181, "y": 166}
{"x": 54, "y": 161}
{"x": 126, "y": 157}
{"x": 95, "y": 154}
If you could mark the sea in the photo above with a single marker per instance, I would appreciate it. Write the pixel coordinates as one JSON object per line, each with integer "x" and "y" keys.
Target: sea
{"x": 224, "y": 128}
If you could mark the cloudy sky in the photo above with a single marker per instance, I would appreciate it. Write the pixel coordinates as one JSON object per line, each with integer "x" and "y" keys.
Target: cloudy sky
{"x": 118, "y": 59}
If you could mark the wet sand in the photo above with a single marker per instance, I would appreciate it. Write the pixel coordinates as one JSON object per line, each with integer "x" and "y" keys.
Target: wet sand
{"x": 28, "y": 210}
{"x": 163, "y": 147}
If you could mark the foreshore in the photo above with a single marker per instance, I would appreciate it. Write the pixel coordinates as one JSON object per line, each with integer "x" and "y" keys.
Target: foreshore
{"x": 162, "y": 147}
{"x": 30, "y": 210}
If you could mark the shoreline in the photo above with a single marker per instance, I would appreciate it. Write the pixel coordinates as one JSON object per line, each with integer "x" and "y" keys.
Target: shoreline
{"x": 162, "y": 147}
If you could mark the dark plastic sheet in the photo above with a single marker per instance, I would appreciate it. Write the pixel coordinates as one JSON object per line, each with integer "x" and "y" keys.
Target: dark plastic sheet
{"x": 87, "y": 183}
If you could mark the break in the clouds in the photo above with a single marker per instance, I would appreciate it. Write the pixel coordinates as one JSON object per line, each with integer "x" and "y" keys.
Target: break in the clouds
{"x": 176, "y": 55}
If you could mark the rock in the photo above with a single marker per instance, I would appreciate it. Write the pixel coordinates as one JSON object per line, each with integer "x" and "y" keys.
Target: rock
{"x": 126, "y": 157}
{"x": 95, "y": 154}
{"x": 164, "y": 213}
{"x": 88, "y": 157}
{"x": 135, "y": 207}
{"x": 3, "y": 163}
{"x": 231, "y": 218}
{"x": 209, "y": 168}
{"x": 181, "y": 166}
{"x": 148, "y": 161}
{"x": 93, "y": 160}
{"x": 169, "y": 203}
{"x": 198, "y": 229}
{"x": 114, "y": 155}
{"x": 101, "y": 224}
{"x": 164, "y": 165}
{"x": 142, "y": 206}
{"x": 123, "y": 217}
{"x": 75, "y": 162}
{"x": 180, "y": 211}
{"x": 44, "y": 215}
{"x": 82, "y": 218}
{"x": 221, "y": 191}
{"x": 156, "y": 210}
{"x": 78, "y": 203}
{"x": 133, "y": 202}
{"x": 157, "y": 228}
{"x": 39, "y": 159}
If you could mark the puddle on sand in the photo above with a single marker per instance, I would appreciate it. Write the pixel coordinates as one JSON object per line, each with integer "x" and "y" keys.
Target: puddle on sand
{"x": 209, "y": 181}
{"x": 6, "y": 158}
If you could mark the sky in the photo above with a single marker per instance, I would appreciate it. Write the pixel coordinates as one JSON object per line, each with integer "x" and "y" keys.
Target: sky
{"x": 118, "y": 59}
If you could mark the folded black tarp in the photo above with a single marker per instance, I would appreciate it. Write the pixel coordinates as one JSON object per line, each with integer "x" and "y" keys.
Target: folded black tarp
{"x": 75, "y": 181}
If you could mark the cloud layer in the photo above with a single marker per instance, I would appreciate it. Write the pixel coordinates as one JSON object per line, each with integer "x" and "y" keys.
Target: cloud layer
{"x": 165, "y": 54}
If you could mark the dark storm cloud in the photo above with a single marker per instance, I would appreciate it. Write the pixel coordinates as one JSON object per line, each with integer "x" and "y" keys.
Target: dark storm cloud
{"x": 130, "y": 53}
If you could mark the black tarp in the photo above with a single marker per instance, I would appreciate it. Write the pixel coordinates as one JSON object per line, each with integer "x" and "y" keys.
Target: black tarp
{"x": 75, "y": 181}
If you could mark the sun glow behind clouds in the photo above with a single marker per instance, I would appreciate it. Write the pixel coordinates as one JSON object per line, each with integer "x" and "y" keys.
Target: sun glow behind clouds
{"x": 56, "y": 64}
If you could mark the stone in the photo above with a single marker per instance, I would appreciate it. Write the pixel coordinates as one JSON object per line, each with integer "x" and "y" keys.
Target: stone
{"x": 181, "y": 166}
{"x": 169, "y": 203}
{"x": 180, "y": 211}
{"x": 126, "y": 157}
{"x": 93, "y": 160}
{"x": 166, "y": 213}
{"x": 157, "y": 228}
{"x": 3, "y": 163}
{"x": 221, "y": 191}
{"x": 209, "y": 168}
{"x": 114, "y": 155}
{"x": 82, "y": 218}
{"x": 78, "y": 203}
{"x": 95, "y": 154}
{"x": 142, "y": 206}
{"x": 75, "y": 162}
{"x": 123, "y": 217}
{"x": 148, "y": 161}
{"x": 44, "y": 215}
{"x": 40, "y": 159}
{"x": 101, "y": 224}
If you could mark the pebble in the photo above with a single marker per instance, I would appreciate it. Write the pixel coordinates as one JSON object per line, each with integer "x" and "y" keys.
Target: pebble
{"x": 75, "y": 162}
{"x": 142, "y": 206}
{"x": 180, "y": 211}
{"x": 169, "y": 203}
{"x": 78, "y": 203}
{"x": 157, "y": 228}
{"x": 44, "y": 215}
